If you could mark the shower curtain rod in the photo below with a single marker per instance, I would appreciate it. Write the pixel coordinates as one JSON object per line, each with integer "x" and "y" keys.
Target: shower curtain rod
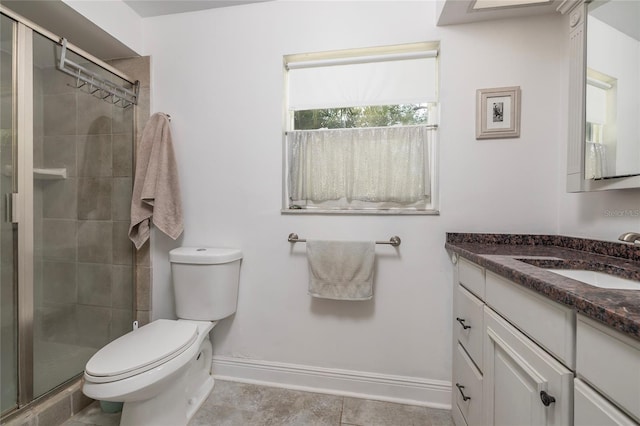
{"x": 96, "y": 84}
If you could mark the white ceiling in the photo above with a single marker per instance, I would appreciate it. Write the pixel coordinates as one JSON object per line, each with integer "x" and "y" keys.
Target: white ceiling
{"x": 61, "y": 19}
{"x": 148, "y": 8}
{"x": 455, "y": 11}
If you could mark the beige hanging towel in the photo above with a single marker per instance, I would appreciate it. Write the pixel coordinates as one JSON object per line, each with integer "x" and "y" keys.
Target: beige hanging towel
{"x": 156, "y": 192}
{"x": 341, "y": 270}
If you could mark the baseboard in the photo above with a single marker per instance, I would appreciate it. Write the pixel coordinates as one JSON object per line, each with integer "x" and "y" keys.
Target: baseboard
{"x": 357, "y": 384}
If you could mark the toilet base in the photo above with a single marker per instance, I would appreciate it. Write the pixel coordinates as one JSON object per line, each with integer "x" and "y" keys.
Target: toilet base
{"x": 177, "y": 403}
{"x": 154, "y": 412}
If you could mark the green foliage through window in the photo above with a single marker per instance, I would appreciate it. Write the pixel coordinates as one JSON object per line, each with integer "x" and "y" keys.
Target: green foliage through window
{"x": 369, "y": 116}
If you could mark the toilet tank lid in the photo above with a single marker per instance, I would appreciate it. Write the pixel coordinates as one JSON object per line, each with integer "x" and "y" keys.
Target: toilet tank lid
{"x": 204, "y": 255}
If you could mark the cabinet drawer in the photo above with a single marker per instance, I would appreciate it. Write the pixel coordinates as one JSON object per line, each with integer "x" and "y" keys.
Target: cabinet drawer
{"x": 456, "y": 414}
{"x": 467, "y": 384}
{"x": 550, "y": 324}
{"x": 467, "y": 323}
{"x": 591, "y": 409}
{"x": 471, "y": 276}
{"x": 610, "y": 362}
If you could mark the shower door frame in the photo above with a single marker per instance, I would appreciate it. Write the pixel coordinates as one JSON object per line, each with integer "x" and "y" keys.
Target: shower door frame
{"x": 22, "y": 212}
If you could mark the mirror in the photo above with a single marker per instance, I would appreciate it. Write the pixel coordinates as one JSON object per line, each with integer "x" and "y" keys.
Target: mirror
{"x": 604, "y": 90}
{"x": 612, "y": 131}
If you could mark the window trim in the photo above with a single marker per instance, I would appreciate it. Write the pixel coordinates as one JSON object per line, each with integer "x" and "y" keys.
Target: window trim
{"x": 358, "y": 55}
{"x": 430, "y": 49}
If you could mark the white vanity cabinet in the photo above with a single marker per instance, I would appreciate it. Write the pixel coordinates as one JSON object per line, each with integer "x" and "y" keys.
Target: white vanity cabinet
{"x": 523, "y": 359}
{"x": 500, "y": 375}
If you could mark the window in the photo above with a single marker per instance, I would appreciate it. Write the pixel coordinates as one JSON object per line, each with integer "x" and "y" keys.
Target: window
{"x": 360, "y": 133}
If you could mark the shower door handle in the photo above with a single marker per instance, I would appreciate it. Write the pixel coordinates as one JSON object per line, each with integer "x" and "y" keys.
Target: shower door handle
{"x": 11, "y": 207}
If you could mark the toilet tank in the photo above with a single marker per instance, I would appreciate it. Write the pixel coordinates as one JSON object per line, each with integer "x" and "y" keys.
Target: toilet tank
{"x": 205, "y": 281}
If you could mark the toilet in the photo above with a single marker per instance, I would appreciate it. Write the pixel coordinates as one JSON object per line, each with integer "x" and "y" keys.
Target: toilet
{"x": 162, "y": 371}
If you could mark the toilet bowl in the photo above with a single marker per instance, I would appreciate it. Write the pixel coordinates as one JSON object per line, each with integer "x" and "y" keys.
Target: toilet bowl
{"x": 148, "y": 369}
{"x": 162, "y": 371}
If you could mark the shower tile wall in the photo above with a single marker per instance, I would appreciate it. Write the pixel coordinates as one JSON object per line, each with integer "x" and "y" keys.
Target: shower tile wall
{"x": 84, "y": 262}
{"x": 139, "y": 69}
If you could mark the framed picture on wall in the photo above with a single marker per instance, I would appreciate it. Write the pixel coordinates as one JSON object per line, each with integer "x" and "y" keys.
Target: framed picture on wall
{"x": 498, "y": 113}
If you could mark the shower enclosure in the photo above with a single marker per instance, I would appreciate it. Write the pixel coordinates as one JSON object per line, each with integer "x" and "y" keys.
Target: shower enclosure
{"x": 66, "y": 163}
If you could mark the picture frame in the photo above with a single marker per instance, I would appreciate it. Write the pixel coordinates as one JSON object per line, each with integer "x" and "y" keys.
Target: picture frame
{"x": 498, "y": 113}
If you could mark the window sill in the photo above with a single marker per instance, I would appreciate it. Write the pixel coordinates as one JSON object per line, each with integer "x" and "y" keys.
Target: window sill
{"x": 388, "y": 212}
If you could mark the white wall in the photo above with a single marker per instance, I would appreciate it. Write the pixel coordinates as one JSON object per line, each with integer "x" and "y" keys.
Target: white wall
{"x": 219, "y": 74}
{"x": 599, "y": 215}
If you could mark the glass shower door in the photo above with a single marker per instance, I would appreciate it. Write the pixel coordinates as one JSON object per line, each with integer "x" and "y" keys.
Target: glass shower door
{"x": 66, "y": 167}
{"x": 82, "y": 183}
{"x": 8, "y": 296}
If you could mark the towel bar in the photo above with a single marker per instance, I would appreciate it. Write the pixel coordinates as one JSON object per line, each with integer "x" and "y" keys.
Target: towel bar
{"x": 394, "y": 241}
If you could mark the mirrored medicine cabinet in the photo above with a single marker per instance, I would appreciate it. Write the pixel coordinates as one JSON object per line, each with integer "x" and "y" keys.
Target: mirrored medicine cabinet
{"x": 604, "y": 95}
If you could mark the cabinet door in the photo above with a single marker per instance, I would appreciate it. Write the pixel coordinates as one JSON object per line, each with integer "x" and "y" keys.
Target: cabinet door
{"x": 522, "y": 384}
{"x": 591, "y": 409}
{"x": 610, "y": 362}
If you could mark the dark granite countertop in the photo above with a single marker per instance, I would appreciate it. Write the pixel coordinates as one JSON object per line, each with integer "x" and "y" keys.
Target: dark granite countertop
{"x": 500, "y": 253}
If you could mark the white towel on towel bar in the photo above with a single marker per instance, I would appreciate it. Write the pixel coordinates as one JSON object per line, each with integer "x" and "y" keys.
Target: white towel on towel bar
{"x": 156, "y": 192}
{"x": 341, "y": 270}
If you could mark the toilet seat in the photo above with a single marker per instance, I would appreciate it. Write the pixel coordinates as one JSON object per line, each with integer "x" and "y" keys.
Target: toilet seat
{"x": 141, "y": 350}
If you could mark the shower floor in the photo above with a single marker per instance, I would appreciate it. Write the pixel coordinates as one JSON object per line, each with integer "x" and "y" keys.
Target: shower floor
{"x": 55, "y": 363}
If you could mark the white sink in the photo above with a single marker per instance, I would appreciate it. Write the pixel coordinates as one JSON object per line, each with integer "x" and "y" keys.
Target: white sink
{"x": 598, "y": 279}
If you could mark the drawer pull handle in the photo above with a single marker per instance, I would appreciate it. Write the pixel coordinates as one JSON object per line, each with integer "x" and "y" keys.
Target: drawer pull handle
{"x": 461, "y": 321}
{"x": 546, "y": 398}
{"x": 464, "y": 397}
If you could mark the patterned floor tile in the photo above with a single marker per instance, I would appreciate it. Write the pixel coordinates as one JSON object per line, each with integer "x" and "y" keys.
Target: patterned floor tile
{"x": 240, "y": 404}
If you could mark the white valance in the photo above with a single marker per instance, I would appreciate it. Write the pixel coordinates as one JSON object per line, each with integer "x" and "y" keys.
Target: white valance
{"x": 596, "y": 104}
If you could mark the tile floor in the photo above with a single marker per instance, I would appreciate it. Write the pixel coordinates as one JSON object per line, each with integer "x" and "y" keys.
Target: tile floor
{"x": 239, "y": 404}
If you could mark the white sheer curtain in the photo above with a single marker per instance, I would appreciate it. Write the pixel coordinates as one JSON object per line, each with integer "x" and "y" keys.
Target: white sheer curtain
{"x": 596, "y": 161}
{"x": 380, "y": 165}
